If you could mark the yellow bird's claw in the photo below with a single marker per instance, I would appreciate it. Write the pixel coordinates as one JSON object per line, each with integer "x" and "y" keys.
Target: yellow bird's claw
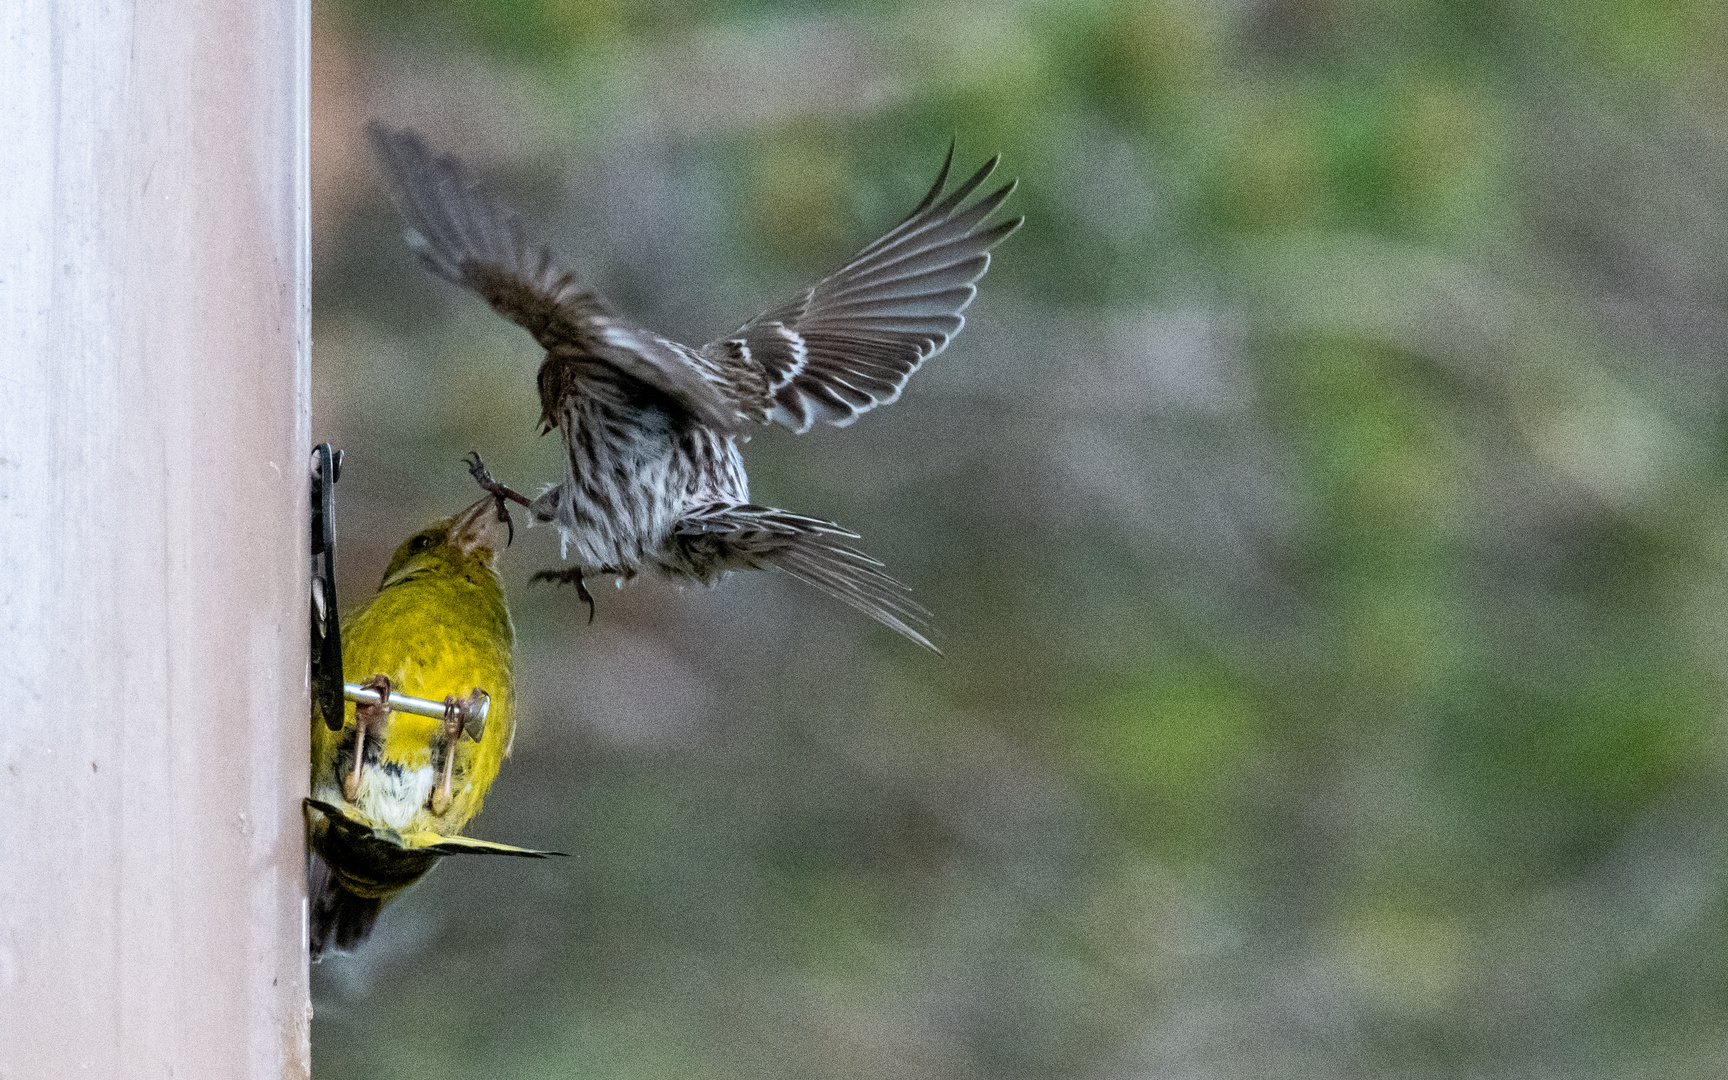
{"x": 365, "y": 718}
{"x": 458, "y": 715}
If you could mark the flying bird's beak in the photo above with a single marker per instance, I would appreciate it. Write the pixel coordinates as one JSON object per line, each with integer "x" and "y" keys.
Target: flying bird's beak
{"x": 483, "y": 525}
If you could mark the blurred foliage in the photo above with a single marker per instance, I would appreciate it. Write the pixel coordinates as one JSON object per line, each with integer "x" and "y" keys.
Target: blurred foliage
{"x": 1324, "y": 508}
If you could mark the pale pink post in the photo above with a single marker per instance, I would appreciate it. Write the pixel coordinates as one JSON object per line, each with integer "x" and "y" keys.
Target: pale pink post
{"x": 153, "y": 567}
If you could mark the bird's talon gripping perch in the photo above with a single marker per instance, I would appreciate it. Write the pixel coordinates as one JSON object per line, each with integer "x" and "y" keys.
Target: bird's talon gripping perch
{"x": 474, "y": 711}
{"x": 366, "y": 717}
{"x": 572, "y": 576}
{"x": 461, "y": 714}
{"x": 441, "y": 795}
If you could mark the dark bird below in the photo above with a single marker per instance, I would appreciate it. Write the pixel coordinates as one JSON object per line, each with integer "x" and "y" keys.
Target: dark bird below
{"x": 652, "y": 474}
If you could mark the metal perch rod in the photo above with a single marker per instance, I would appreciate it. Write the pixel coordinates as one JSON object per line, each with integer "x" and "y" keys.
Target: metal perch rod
{"x": 475, "y": 706}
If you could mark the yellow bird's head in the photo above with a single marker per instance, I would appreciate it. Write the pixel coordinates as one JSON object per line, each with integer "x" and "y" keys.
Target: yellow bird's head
{"x": 465, "y": 545}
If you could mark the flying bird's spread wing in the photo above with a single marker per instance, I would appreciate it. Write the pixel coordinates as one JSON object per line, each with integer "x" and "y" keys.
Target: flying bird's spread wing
{"x": 850, "y": 342}
{"x": 465, "y": 236}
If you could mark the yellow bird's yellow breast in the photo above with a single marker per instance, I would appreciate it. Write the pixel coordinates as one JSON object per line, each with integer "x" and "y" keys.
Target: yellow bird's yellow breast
{"x": 433, "y": 635}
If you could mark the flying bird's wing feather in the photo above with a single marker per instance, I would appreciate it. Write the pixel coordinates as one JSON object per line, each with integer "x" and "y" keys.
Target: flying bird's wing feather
{"x": 467, "y": 237}
{"x": 849, "y": 343}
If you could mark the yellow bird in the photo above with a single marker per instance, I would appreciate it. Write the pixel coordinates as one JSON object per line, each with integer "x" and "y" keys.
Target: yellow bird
{"x": 392, "y": 791}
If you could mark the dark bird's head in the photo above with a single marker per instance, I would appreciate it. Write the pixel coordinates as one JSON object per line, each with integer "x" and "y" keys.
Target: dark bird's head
{"x": 465, "y": 545}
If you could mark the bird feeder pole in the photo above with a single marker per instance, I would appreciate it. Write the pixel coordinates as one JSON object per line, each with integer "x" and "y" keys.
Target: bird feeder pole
{"x": 154, "y": 438}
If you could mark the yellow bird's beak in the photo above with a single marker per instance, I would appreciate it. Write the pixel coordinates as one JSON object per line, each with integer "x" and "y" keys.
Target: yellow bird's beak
{"x": 486, "y": 524}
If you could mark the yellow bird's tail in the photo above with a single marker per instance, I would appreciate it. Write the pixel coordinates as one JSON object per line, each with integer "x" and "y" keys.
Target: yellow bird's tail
{"x": 340, "y": 919}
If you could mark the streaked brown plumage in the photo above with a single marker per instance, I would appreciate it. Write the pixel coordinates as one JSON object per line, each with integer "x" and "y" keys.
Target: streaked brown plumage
{"x": 652, "y": 473}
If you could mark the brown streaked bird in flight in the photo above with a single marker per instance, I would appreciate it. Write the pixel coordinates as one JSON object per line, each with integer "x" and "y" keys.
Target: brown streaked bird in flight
{"x": 652, "y": 475}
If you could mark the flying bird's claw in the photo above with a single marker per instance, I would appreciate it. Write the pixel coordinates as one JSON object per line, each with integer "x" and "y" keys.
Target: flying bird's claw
{"x": 477, "y": 469}
{"x": 503, "y": 494}
{"x": 572, "y": 576}
{"x": 509, "y": 522}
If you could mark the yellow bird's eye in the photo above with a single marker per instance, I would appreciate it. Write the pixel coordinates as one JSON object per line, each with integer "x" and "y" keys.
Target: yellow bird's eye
{"x": 420, "y": 543}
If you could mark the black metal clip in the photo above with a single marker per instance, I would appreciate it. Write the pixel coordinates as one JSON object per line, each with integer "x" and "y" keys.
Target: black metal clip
{"x": 326, "y": 623}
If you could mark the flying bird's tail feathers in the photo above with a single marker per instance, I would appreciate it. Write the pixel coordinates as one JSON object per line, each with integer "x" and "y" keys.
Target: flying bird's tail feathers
{"x": 742, "y": 535}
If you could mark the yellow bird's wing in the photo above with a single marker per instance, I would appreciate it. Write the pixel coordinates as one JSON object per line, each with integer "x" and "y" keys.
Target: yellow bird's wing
{"x": 464, "y": 845}
{"x": 346, "y": 827}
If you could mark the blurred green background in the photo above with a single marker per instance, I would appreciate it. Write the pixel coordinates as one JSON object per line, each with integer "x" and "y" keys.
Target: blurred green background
{"x": 1323, "y": 510}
